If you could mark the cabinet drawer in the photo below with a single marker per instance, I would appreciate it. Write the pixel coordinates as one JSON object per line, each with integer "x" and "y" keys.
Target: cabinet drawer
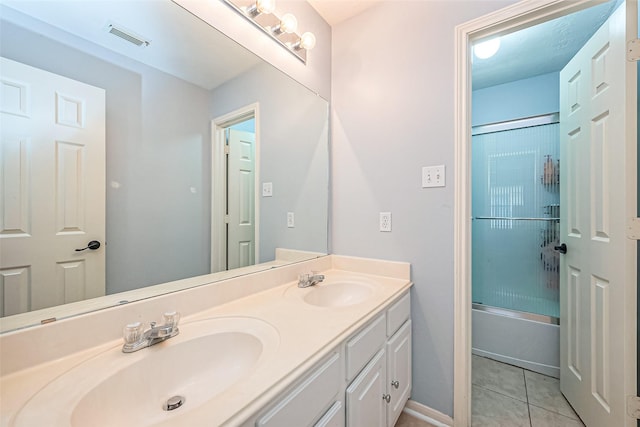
{"x": 306, "y": 402}
{"x": 364, "y": 345}
{"x": 334, "y": 417}
{"x": 398, "y": 313}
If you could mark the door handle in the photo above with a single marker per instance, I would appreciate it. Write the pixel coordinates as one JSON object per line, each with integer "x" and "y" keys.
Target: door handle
{"x": 562, "y": 248}
{"x": 93, "y": 245}
{"x": 395, "y": 384}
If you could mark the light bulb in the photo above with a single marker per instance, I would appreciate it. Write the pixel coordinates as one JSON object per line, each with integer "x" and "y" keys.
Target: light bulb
{"x": 307, "y": 41}
{"x": 265, "y": 6}
{"x": 487, "y": 48}
{"x": 288, "y": 24}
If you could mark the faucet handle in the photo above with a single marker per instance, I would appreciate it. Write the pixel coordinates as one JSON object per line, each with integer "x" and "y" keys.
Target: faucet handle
{"x": 133, "y": 332}
{"x": 171, "y": 318}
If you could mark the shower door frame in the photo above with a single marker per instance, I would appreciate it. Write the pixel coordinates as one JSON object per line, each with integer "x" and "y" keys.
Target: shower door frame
{"x": 511, "y": 18}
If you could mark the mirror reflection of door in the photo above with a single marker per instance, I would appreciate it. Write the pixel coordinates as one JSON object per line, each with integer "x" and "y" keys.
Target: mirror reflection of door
{"x": 53, "y": 189}
{"x": 241, "y": 212}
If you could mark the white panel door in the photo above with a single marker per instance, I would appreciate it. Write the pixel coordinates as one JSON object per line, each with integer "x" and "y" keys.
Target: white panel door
{"x": 597, "y": 300}
{"x": 241, "y": 247}
{"x": 52, "y": 182}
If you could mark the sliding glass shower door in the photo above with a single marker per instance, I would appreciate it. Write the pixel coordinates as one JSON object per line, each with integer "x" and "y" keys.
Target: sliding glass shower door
{"x": 516, "y": 212}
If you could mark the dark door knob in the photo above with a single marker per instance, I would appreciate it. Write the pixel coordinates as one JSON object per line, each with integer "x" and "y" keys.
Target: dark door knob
{"x": 562, "y": 248}
{"x": 93, "y": 245}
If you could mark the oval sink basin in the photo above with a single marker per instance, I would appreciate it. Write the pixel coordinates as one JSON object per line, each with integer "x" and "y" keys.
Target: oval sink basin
{"x": 337, "y": 291}
{"x": 338, "y": 294}
{"x": 206, "y": 359}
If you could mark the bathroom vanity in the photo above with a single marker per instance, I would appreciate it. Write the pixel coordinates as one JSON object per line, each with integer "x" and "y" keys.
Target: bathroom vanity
{"x": 255, "y": 350}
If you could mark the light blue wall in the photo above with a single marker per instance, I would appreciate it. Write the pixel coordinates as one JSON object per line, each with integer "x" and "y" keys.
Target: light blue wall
{"x": 523, "y": 98}
{"x": 393, "y": 113}
{"x": 293, "y": 131}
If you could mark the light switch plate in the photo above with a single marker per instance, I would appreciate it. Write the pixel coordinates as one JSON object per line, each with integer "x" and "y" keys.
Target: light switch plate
{"x": 291, "y": 222}
{"x": 433, "y": 176}
{"x": 267, "y": 189}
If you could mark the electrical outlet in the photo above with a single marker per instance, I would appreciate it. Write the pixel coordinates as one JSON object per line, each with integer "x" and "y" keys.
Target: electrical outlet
{"x": 267, "y": 189}
{"x": 385, "y": 221}
{"x": 291, "y": 220}
{"x": 433, "y": 176}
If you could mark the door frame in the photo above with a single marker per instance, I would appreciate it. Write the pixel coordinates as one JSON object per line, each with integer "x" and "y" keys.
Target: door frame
{"x": 219, "y": 182}
{"x": 512, "y": 18}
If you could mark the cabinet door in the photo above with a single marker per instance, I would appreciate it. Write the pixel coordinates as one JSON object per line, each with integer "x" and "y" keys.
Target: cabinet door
{"x": 334, "y": 417}
{"x": 306, "y": 402}
{"x": 366, "y": 406}
{"x": 398, "y": 371}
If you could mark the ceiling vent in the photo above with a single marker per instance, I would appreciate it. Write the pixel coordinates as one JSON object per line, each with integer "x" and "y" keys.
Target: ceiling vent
{"x": 128, "y": 35}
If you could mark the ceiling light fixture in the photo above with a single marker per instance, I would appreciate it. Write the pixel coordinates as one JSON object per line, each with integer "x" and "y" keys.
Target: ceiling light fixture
{"x": 281, "y": 29}
{"x": 487, "y": 49}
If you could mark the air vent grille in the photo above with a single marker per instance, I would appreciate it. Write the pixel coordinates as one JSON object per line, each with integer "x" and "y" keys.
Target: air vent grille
{"x": 127, "y": 35}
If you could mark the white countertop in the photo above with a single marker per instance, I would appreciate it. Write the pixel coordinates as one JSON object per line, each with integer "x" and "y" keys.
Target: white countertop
{"x": 306, "y": 334}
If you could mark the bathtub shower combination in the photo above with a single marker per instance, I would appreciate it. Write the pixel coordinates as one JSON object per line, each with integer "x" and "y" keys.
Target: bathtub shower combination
{"x": 516, "y": 226}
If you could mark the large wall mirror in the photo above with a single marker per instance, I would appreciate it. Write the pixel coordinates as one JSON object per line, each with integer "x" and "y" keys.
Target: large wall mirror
{"x": 143, "y": 152}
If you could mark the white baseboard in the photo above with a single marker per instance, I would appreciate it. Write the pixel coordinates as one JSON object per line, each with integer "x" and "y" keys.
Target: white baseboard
{"x": 427, "y": 414}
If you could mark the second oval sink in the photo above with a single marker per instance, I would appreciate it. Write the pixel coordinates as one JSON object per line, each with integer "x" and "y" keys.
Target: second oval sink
{"x": 204, "y": 360}
{"x": 338, "y": 294}
{"x": 335, "y": 291}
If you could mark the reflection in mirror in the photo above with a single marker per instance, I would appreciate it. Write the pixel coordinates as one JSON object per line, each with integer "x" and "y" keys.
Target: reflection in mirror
{"x": 115, "y": 117}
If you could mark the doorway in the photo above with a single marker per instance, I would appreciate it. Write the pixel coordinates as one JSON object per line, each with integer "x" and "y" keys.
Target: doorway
{"x": 516, "y": 17}
{"x": 235, "y": 203}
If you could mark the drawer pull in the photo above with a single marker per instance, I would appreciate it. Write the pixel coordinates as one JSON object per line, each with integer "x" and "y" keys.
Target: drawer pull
{"x": 395, "y": 384}
{"x": 386, "y": 398}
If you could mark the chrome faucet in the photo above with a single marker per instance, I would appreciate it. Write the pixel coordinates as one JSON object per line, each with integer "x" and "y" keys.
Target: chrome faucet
{"x": 136, "y": 338}
{"x": 309, "y": 279}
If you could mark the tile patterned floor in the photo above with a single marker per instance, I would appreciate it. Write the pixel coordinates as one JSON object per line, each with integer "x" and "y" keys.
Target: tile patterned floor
{"x": 508, "y": 396}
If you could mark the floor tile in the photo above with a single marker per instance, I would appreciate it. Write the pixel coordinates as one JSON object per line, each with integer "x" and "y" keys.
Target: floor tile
{"x": 543, "y": 418}
{"x": 499, "y": 377}
{"x": 544, "y": 392}
{"x": 491, "y": 409}
{"x": 407, "y": 420}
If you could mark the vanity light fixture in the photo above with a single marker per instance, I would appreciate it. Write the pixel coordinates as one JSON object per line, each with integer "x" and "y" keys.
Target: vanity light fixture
{"x": 307, "y": 41}
{"x": 262, "y": 7}
{"x": 281, "y": 29}
{"x": 288, "y": 24}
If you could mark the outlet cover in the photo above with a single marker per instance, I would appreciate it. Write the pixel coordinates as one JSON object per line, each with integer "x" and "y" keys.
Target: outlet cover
{"x": 291, "y": 221}
{"x": 433, "y": 176}
{"x": 385, "y": 221}
{"x": 267, "y": 189}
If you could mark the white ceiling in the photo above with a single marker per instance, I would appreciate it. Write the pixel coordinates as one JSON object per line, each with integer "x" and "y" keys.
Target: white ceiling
{"x": 336, "y": 11}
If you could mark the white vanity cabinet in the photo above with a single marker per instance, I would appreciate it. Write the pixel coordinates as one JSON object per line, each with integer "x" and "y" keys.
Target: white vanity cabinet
{"x": 376, "y": 397}
{"x": 364, "y": 382}
{"x": 317, "y": 394}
